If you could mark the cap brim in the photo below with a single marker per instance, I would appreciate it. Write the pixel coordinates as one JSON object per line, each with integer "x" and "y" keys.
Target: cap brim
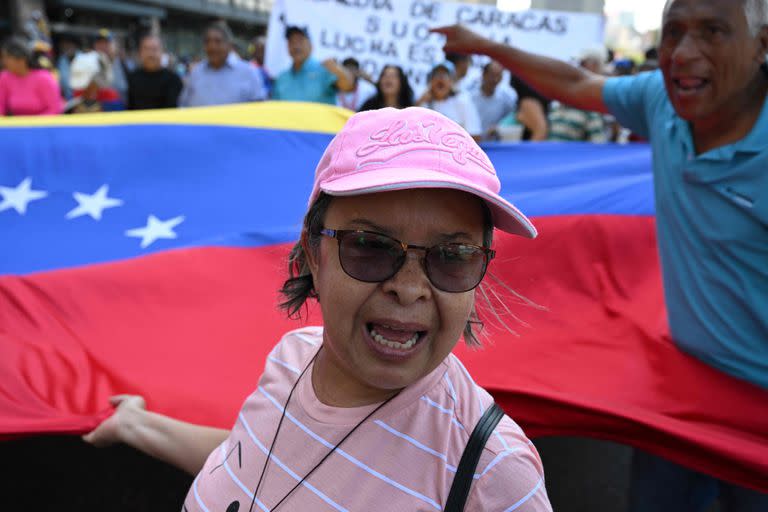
{"x": 506, "y": 216}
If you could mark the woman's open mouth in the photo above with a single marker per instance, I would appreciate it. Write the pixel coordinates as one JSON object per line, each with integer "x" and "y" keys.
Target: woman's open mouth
{"x": 394, "y": 339}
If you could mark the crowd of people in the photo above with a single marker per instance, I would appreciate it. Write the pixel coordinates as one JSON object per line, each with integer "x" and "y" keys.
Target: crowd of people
{"x": 489, "y": 106}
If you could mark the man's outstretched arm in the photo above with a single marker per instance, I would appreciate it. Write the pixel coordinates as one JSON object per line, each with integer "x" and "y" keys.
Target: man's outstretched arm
{"x": 552, "y": 78}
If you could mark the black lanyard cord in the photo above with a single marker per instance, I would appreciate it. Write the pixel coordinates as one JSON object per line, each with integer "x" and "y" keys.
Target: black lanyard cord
{"x": 280, "y": 423}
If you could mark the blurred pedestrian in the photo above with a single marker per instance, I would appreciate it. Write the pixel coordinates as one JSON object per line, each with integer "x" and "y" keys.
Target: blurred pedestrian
{"x": 464, "y": 81}
{"x": 363, "y": 87}
{"x": 256, "y": 52}
{"x": 105, "y": 44}
{"x": 223, "y": 77}
{"x": 569, "y": 124}
{"x": 90, "y": 79}
{"x": 493, "y": 103}
{"x": 441, "y": 97}
{"x": 651, "y": 62}
{"x": 42, "y": 57}
{"x": 308, "y": 79}
{"x": 25, "y": 91}
{"x": 624, "y": 67}
{"x": 152, "y": 85}
{"x": 392, "y": 90}
{"x": 532, "y": 111}
{"x": 67, "y": 50}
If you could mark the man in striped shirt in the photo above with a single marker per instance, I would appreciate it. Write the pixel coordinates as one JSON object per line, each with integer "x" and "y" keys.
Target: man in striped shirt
{"x": 573, "y": 125}
{"x": 570, "y": 124}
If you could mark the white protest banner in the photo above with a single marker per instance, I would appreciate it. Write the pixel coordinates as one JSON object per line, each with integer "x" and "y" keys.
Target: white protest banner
{"x": 380, "y": 32}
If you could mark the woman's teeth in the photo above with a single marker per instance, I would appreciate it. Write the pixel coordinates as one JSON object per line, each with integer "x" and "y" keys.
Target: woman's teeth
{"x": 394, "y": 344}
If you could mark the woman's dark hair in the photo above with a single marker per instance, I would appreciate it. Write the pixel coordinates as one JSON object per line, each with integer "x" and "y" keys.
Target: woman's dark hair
{"x": 404, "y": 97}
{"x": 18, "y": 48}
{"x": 299, "y": 286}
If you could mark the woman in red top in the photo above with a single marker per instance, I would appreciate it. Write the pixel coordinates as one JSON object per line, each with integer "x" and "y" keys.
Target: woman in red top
{"x": 25, "y": 91}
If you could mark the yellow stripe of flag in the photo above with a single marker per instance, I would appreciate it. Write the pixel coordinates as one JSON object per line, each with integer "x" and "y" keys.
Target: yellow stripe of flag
{"x": 276, "y": 115}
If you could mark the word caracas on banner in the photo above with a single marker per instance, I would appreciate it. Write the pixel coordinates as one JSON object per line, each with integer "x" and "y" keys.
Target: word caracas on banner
{"x": 381, "y": 32}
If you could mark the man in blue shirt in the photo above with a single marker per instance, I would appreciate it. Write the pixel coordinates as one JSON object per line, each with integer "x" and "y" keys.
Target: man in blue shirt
{"x": 308, "y": 79}
{"x": 706, "y": 115}
{"x": 223, "y": 77}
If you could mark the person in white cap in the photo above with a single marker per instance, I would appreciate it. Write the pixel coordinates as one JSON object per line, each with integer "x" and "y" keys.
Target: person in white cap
{"x": 89, "y": 79}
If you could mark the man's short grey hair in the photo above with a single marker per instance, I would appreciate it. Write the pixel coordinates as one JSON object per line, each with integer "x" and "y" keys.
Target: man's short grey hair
{"x": 756, "y": 12}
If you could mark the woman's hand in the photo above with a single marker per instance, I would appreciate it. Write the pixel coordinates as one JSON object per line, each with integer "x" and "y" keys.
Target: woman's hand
{"x": 128, "y": 415}
{"x": 181, "y": 444}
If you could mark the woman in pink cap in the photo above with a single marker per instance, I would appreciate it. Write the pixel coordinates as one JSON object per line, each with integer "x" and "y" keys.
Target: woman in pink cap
{"x": 371, "y": 411}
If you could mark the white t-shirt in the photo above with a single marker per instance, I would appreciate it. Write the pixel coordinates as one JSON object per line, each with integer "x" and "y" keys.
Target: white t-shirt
{"x": 492, "y": 109}
{"x": 470, "y": 83}
{"x": 404, "y": 457}
{"x": 459, "y": 108}
{"x": 353, "y": 100}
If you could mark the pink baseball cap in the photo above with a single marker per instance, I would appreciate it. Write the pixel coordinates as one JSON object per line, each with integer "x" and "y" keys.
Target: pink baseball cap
{"x": 396, "y": 149}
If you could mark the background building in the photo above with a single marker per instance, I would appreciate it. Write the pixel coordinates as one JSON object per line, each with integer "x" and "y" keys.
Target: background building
{"x": 590, "y": 6}
{"x": 5, "y": 19}
{"x": 593, "y": 6}
{"x": 180, "y": 21}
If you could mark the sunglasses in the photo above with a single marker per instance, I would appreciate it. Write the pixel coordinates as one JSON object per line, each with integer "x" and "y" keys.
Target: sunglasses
{"x": 373, "y": 257}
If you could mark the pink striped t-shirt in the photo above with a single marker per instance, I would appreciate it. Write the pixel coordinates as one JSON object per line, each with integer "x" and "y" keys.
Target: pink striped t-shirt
{"x": 403, "y": 458}
{"x": 34, "y": 94}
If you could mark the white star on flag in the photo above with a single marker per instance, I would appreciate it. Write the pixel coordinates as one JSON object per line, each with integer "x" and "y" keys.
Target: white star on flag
{"x": 19, "y": 197}
{"x": 94, "y": 204}
{"x": 155, "y": 229}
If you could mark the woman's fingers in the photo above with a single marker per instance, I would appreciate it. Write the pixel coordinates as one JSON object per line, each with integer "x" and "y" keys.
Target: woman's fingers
{"x": 103, "y": 435}
{"x": 115, "y": 400}
{"x": 108, "y": 431}
{"x": 134, "y": 400}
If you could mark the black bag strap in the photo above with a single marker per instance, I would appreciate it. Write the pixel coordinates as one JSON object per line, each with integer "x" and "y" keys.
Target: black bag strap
{"x": 459, "y": 492}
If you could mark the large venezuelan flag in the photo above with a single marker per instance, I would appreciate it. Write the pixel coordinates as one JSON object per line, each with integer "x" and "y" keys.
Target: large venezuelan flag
{"x": 142, "y": 253}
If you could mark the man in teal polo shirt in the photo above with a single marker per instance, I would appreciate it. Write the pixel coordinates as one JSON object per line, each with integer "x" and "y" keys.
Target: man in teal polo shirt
{"x": 706, "y": 115}
{"x": 308, "y": 79}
